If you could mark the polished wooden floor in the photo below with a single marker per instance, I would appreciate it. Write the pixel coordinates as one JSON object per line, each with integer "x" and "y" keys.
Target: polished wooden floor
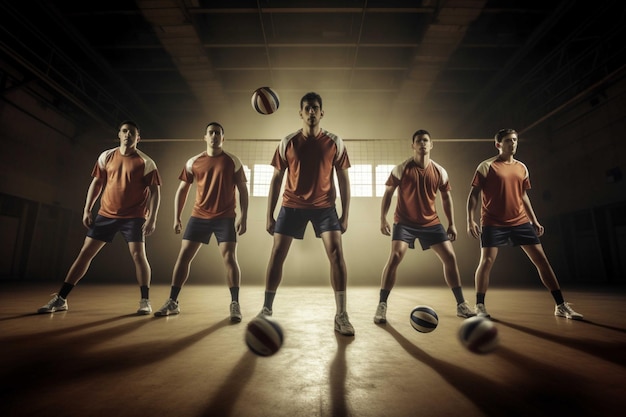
{"x": 100, "y": 359}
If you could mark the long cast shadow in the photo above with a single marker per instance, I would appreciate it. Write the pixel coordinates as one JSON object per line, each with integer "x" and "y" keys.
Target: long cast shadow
{"x": 68, "y": 359}
{"x": 62, "y": 332}
{"x": 554, "y": 389}
{"x": 226, "y": 397}
{"x": 337, "y": 378}
{"x": 492, "y": 398}
{"x": 613, "y": 352}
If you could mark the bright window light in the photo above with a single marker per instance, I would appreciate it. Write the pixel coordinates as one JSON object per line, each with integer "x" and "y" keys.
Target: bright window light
{"x": 261, "y": 180}
{"x": 382, "y": 173}
{"x": 246, "y": 170}
{"x": 361, "y": 180}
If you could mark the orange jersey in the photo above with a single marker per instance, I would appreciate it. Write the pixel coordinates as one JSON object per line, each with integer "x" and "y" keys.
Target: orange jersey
{"x": 216, "y": 178}
{"x": 126, "y": 181}
{"x": 502, "y": 186}
{"x": 311, "y": 162}
{"x": 417, "y": 191}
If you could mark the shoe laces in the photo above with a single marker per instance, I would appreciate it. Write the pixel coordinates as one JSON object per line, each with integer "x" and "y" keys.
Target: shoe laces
{"x": 56, "y": 300}
{"x": 342, "y": 319}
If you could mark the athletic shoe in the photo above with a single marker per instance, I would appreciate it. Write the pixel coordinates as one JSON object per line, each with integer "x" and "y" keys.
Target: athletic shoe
{"x": 170, "y": 307}
{"x": 57, "y": 303}
{"x": 144, "y": 307}
{"x": 481, "y": 311}
{"x": 381, "y": 313}
{"x": 235, "y": 312}
{"x": 464, "y": 310}
{"x": 265, "y": 312}
{"x": 342, "y": 324}
{"x": 564, "y": 310}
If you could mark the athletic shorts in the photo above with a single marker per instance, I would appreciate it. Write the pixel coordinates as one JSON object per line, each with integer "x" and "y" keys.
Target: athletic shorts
{"x": 105, "y": 228}
{"x": 200, "y": 230}
{"x": 494, "y": 236}
{"x": 427, "y": 236}
{"x": 292, "y": 222}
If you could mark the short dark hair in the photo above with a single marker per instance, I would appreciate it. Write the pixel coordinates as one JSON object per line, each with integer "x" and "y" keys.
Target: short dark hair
{"x": 419, "y": 133}
{"x": 128, "y": 122}
{"x": 310, "y": 96}
{"x": 214, "y": 124}
{"x": 502, "y": 133}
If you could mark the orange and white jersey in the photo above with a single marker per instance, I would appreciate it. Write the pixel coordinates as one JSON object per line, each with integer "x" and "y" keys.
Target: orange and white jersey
{"x": 310, "y": 164}
{"x": 126, "y": 181}
{"x": 417, "y": 191}
{"x": 503, "y": 185}
{"x": 216, "y": 178}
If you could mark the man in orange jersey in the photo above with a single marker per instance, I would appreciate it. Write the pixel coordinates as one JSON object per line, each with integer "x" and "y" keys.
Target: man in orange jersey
{"x": 129, "y": 182}
{"x": 418, "y": 180}
{"x": 217, "y": 174}
{"x": 507, "y": 218}
{"x": 310, "y": 156}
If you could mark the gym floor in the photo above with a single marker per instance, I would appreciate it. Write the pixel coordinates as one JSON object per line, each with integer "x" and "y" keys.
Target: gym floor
{"x": 101, "y": 359}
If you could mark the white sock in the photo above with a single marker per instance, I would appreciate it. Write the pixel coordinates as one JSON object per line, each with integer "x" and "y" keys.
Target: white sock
{"x": 340, "y": 300}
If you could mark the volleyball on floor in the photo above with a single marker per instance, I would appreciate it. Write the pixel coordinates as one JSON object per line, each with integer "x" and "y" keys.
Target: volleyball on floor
{"x": 479, "y": 335}
{"x": 264, "y": 336}
{"x": 424, "y": 319}
{"x": 265, "y": 100}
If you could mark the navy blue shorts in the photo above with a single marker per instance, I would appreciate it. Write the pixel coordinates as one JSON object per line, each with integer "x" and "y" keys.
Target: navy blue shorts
{"x": 105, "y": 228}
{"x": 292, "y": 222}
{"x": 200, "y": 230}
{"x": 494, "y": 236}
{"x": 427, "y": 236}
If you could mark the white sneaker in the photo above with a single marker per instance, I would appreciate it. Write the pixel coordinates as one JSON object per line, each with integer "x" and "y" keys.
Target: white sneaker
{"x": 170, "y": 307}
{"x": 564, "y": 310}
{"x": 381, "y": 313}
{"x": 342, "y": 324}
{"x": 464, "y": 310}
{"x": 235, "y": 312}
{"x": 144, "y": 307}
{"x": 265, "y": 312}
{"x": 57, "y": 303}
{"x": 481, "y": 311}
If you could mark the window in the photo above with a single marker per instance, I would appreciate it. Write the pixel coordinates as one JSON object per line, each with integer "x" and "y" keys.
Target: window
{"x": 246, "y": 171}
{"x": 382, "y": 173}
{"x": 360, "y": 180}
{"x": 261, "y": 180}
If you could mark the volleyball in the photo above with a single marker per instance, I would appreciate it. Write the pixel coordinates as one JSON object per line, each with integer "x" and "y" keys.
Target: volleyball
{"x": 265, "y": 100}
{"x": 424, "y": 319}
{"x": 264, "y": 336}
{"x": 479, "y": 335}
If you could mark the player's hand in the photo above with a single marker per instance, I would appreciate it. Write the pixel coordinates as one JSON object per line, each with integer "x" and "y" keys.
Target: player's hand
{"x": 271, "y": 223}
{"x": 87, "y": 219}
{"x": 241, "y": 227}
{"x": 539, "y": 229}
{"x": 148, "y": 227}
{"x": 178, "y": 227}
{"x": 473, "y": 230}
{"x": 385, "y": 228}
{"x": 452, "y": 233}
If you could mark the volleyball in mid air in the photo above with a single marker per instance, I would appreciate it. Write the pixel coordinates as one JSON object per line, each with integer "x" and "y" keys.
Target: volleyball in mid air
{"x": 265, "y": 100}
